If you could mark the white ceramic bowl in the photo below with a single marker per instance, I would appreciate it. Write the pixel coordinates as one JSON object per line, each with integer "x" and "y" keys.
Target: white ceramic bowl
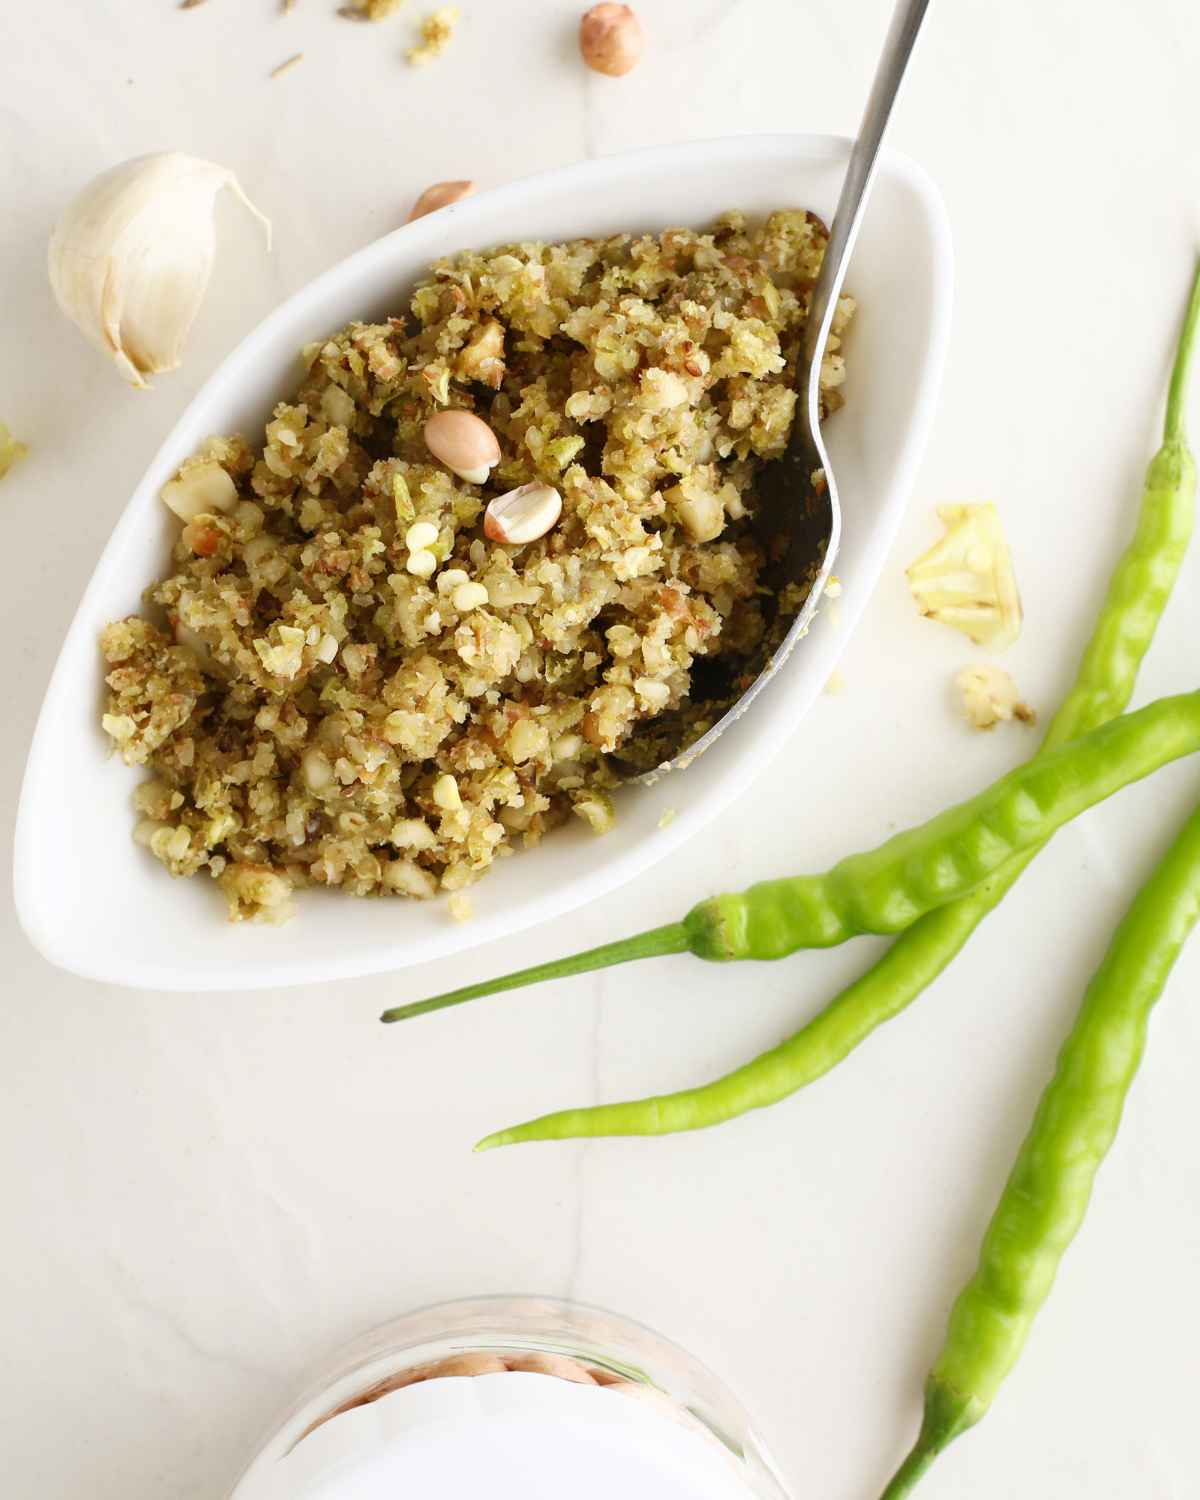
{"x": 95, "y": 903}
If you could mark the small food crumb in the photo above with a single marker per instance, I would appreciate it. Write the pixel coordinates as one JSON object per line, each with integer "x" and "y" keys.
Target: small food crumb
{"x": 989, "y": 697}
{"x": 369, "y": 10}
{"x": 189, "y": 4}
{"x": 288, "y": 6}
{"x": 966, "y": 580}
{"x": 436, "y": 30}
{"x": 833, "y": 587}
{"x": 460, "y": 907}
{"x": 10, "y": 450}
{"x": 667, "y": 818}
{"x": 286, "y": 67}
{"x": 836, "y": 684}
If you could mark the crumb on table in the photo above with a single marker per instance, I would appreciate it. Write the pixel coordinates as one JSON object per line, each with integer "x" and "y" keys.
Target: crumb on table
{"x": 436, "y": 30}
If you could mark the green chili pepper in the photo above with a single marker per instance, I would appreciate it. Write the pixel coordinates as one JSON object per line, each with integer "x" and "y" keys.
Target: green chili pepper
{"x": 1047, "y": 1194}
{"x": 1137, "y": 595}
{"x": 914, "y": 871}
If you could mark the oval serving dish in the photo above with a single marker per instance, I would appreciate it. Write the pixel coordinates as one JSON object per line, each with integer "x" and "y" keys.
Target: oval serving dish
{"x": 94, "y": 902}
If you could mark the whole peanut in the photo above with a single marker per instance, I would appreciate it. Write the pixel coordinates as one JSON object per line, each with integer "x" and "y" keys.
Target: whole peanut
{"x": 438, "y": 196}
{"x": 611, "y": 39}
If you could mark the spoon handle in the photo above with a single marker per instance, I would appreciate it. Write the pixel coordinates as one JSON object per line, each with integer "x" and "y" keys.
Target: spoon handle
{"x": 852, "y": 201}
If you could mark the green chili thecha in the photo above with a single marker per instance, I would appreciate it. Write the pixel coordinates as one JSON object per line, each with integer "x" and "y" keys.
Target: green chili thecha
{"x": 1047, "y": 1194}
{"x": 1137, "y": 595}
{"x": 913, "y": 872}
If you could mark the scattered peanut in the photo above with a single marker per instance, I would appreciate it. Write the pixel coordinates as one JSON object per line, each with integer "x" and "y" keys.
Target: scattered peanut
{"x": 440, "y": 195}
{"x": 653, "y": 694}
{"x": 409, "y": 879}
{"x": 611, "y": 39}
{"x": 316, "y": 770}
{"x": 421, "y": 564}
{"x": 412, "y": 833}
{"x": 451, "y": 578}
{"x": 446, "y": 793}
{"x": 482, "y": 357}
{"x": 203, "y": 489}
{"x": 522, "y": 515}
{"x": 464, "y": 443}
{"x": 469, "y": 596}
{"x": 419, "y": 535}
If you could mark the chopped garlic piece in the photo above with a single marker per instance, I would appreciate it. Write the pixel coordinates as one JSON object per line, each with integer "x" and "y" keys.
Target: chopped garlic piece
{"x": 989, "y": 697}
{"x": 966, "y": 579}
{"x": 446, "y": 794}
{"x": 460, "y": 907}
{"x": 201, "y": 488}
{"x": 596, "y": 810}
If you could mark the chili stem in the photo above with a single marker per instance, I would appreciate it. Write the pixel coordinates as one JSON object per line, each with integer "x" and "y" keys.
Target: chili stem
{"x": 1177, "y": 393}
{"x": 656, "y": 943}
{"x": 906, "y": 1476}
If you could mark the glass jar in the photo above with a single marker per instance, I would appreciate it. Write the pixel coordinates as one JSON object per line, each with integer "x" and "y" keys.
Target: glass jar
{"x": 386, "y": 1403}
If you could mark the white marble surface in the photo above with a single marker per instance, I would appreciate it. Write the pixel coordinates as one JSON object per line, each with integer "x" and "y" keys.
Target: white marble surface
{"x": 203, "y": 1195}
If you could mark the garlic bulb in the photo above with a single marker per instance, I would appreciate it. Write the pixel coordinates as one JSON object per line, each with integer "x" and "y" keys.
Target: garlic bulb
{"x": 130, "y": 260}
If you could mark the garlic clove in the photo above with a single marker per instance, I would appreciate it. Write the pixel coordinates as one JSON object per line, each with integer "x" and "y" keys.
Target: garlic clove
{"x": 130, "y": 260}
{"x": 464, "y": 443}
{"x": 522, "y": 515}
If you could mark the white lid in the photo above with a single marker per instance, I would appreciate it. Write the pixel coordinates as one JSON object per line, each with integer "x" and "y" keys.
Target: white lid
{"x": 512, "y": 1436}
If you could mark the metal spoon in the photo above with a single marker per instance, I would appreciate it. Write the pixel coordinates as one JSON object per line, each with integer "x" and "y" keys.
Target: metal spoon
{"x": 798, "y": 517}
